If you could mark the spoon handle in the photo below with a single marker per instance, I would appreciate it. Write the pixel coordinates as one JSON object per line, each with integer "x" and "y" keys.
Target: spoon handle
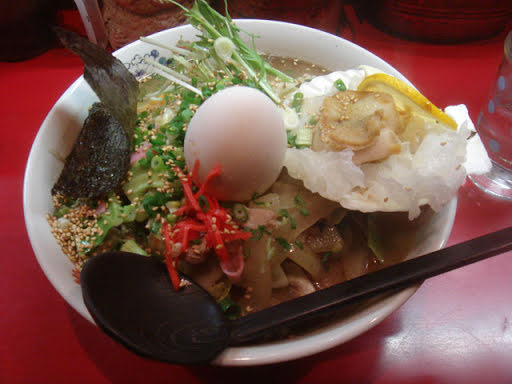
{"x": 401, "y": 275}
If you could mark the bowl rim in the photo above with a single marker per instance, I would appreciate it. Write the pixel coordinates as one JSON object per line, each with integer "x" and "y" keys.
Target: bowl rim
{"x": 284, "y": 350}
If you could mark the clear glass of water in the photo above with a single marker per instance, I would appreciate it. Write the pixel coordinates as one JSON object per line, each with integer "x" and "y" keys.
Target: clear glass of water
{"x": 494, "y": 125}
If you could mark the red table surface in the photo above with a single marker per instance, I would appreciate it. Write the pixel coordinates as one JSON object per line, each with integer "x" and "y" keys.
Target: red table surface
{"x": 456, "y": 329}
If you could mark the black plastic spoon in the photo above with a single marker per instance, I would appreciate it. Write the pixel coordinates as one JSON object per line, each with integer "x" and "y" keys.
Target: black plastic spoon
{"x": 131, "y": 298}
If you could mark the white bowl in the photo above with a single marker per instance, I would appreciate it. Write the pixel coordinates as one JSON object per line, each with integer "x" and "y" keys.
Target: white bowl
{"x": 60, "y": 128}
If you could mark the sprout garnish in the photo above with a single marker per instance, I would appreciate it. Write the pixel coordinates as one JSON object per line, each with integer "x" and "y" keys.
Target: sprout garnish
{"x": 221, "y": 38}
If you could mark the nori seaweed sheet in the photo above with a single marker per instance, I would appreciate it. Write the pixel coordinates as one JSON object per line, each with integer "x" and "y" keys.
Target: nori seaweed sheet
{"x": 101, "y": 155}
{"x": 115, "y": 86}
{"x": 99, "y": 160}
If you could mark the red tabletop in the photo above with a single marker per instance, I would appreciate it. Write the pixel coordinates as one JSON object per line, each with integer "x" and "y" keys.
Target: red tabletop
{"x": 456, "y": 329}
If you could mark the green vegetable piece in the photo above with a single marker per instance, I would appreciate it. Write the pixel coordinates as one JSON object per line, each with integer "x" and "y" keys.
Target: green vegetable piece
{"x": 292, "y": 139}
{"x": 171, "y": 218}
{"x": 375, "y": 240}
{"x": 154, "y": 200}
{"x": 283, "y": 243}
{"x": 298, "y": 98}
{"x": 133, "y": 247}
{"x": 157, "y": 164}
{"x": 203, "y": 203}
{"x": 154, "y": 226}
{"x": 340, "y": 85}
{"x": 61, "y": 211}
{"x": 230, "y": 308}
{"x": 301, "y": 205}
{"x": 284, "y": 213}
{"x": 304, "y": 137}
{"x": 129, "y": 213}
{"x": 312, "y": 120}
{"x": 240, "y": 213}
{"x": 299, "y": 201}
{"x": 139, "y": 183}
{"x": 224, "y": 47}
{"x": 114, "y": 216}
{"x": 258, "y": 233}
{"x": 220, "y": 290}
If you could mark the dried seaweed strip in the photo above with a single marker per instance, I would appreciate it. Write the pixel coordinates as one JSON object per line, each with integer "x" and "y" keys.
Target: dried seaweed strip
{"x": 99, "y": 160}
{"x": 115, "y": 86}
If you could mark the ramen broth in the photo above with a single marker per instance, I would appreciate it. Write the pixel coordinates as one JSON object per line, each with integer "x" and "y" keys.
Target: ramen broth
{"x": 396, "y": 232}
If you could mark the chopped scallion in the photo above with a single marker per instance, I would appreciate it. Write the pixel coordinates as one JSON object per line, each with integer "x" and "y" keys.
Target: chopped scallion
{"x": 298, "y": 98}
{"x": 283, "y": 243}
{"x": 240, "y": 213}
{"x": 304, "y": 137}
{"x": 340, "y": 85}
{"x": 284, "y": 213}
{"x": 224, "y": 47}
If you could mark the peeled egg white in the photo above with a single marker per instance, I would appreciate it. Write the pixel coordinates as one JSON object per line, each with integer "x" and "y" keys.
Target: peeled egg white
{"x": 241, "y": 129}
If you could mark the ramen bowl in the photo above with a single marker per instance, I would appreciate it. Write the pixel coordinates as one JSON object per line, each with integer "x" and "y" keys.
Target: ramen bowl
{"x": 60, "y": 128}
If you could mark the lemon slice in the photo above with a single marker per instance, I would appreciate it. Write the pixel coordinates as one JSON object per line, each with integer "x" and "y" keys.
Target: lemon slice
{"x": 406, "y": 98}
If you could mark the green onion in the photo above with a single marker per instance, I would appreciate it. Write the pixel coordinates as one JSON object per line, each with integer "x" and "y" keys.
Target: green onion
{"x": 154, "y": 226}
{"x": 304, "y": 137}
{"x": 224, "y": 47}
{"x": 301, "y": 204}
{"x": 313, "y": 120}
{"x": 141, "y": 116}
{"x": 230, "y": 308}
{"x": 292, "y": 139}
{"x": 154, "y": 200}
{"x": 157, "y": 164}
{"x": 171, "y": 218}
{"x": 286, "y": 214}
{"x": 258, "y": 233}
{"x": 203, "y": 203}
{"x": 290, "y": 119}
{"x": 376, "y": 242}
{"x": 283, "y": 243}
{"x": 340, "y": 85}
{"x": 299, "y": 201}
{"x": 298, "y": 98}
{"x": 240, "y": 213}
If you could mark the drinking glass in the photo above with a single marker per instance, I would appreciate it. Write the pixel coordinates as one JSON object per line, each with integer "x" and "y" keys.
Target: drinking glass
{"x": 494, "y": 125}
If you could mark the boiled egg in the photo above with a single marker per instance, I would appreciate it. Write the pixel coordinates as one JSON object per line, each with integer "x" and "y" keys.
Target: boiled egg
{"x": 242, "y": 130}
